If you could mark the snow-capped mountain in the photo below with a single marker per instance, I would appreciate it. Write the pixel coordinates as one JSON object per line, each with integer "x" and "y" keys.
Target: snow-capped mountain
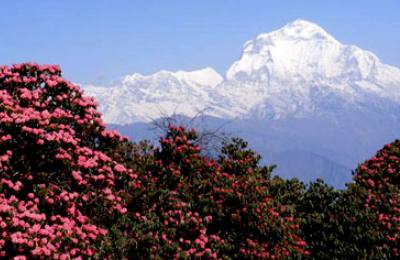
{"x": 139, "y": 98}
{"x": 304, "y": 100}
{"x": 300, "y": 70}
{"x": 297, "y": 71}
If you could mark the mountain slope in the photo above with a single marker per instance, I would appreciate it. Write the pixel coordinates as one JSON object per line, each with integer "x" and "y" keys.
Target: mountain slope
{"x": 290, "y": 164}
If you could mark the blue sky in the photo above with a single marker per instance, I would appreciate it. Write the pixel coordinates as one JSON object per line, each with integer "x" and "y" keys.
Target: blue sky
{"x": 98, "y": 41}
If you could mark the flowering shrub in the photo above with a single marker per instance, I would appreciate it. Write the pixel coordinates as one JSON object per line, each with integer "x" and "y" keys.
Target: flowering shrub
{"x": 193, "y": 207}
{"x": 360, "y": 222}
{"x": 55, "y": 181}
{"x": 378, "y": 184}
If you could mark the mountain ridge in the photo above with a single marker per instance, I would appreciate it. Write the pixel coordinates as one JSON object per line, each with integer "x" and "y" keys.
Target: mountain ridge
{"x": 288, "y": 72}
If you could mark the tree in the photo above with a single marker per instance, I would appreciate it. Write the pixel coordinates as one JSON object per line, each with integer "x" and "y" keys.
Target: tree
{"x": 193, "y": 206}
{"x": 375, "y": 196}
{"x": 56, "y": 182}
{"x": 362, "y": 221}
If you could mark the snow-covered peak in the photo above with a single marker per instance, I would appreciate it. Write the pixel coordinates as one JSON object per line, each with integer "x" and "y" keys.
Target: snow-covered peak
{"x": 203, "y": 77}
{"x": 146, "y": 97}
{"x": 302, "y": 51}
{"x": 300, "y": 48}
{"x": 206, "y": 77}
{"x": 301, "y": 29}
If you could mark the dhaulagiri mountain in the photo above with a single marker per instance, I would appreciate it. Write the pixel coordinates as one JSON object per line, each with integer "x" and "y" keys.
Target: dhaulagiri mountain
{"x": 305, "y": 101}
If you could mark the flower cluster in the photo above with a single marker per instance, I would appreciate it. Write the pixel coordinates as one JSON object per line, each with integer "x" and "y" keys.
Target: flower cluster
{"x": 54, "y": 173}
{"x": 379, "y": 177}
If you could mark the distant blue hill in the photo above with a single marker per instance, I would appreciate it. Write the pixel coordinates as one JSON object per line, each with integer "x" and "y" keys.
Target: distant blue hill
{"x": 324, "y": 147}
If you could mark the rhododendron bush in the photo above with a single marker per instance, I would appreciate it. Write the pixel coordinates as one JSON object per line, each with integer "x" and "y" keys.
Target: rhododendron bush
{"x": 377, "y": 192}
{"x": 191, "y": 206}
{"x": 360, "y": 222}
{"x": 53, "y": 173}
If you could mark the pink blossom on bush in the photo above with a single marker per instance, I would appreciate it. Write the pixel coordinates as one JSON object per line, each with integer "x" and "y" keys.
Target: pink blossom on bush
{"x": 51, "y": 157}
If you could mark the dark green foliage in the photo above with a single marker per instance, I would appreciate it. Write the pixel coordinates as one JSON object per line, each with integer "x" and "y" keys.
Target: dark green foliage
{"x": 360, "y": 222}
{"x": 335, "y": 224}
{"x": 191, "y": 206}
